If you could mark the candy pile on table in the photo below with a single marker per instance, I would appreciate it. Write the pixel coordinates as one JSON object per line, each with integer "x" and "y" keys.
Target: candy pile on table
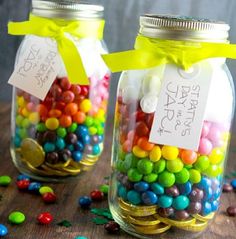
{"x": 181, "y": 183}
{"x": 64, "y": 129}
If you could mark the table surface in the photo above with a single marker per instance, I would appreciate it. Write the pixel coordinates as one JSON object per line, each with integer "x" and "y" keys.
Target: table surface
{"x": 68, "y": 193}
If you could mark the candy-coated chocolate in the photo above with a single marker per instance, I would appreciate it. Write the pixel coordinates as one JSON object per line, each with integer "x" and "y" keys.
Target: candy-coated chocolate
{"x": 23, "y": 184}
{"x": 34, "y": 187}
{"x": 16, "y": 217}
{"x": 181, "y": 202}
{"x": 3, "y": 230}
{"x": 97, "y": 195}
{"x": 149, "y": 198}
{"x": 165, "y": 201}
{"x": 45, "y": 218}
{"x": 85, "y": 202}
{"x": 49, "y": 197}
{"x": 170, "y": 152}
{"x": 5, "y": 180}
{"x": 112, "y": 227}
{"x": 134, "y": 197}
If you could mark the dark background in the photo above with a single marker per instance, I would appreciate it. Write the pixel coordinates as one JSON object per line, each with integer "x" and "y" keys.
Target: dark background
{"x": 122, "y": 22}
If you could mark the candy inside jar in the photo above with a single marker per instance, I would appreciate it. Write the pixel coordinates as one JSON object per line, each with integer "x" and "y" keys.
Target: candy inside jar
{"x": 63, "y": 134}
{"x": 156, "y": 187}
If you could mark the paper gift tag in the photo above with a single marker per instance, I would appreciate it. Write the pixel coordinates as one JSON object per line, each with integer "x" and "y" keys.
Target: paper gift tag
{"x": 181, "y": 106}
{"x": 37, "y": 67}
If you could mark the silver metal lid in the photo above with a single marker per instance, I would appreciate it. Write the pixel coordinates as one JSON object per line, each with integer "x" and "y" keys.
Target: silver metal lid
{"x": 66, "y": 9}
{"x": 183, "y": 28}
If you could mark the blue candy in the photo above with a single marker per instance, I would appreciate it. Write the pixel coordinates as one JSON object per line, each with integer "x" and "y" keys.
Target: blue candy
{"x": 85, "y": 201}
{"x": 49, "y": 147}
{"x": 204, "y": 183}
{"x": 85, "y": 139}
{"x": 185, "y": 188}
{"x": 60, "y": 143}
{"x": 207, "y": 194}
{"x": 180, "y": 203}
{"x": 214, "y": 205}
{"x": 233, "y": 183}
{"x": 17, "y": 141}
{"x": 206, "y": 208}
{"x": 149, "y": 198}
{"x": 70, "y": 147}
{"x": 22, "y": 177}
{"x": 96, "y": 149}
{"x": 141, "y": 186}
{"x": 134, "y": 197}
{"x": 77, "y": 156}
{"x": 122, "y": 192}
{"x": 79, "y": 237}
{"x": 100, "y": 138}
{"x": 216, "y": 194}
{"x": 157, "y": 188}
{"x": 79, "y": 146}
{"x": 165, "y": 201}
{"x": 34, "y": 187}
{"x": 81, "y": 131}
{"x": 3, "y": 230}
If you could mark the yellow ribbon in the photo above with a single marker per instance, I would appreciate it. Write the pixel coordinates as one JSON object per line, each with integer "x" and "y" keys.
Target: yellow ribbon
{"x": 153, "y": 52}
{"x": 57, "y": 29}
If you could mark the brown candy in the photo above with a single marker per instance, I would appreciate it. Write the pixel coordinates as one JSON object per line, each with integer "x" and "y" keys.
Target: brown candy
{"x": 172, "y": 191}
{"x": 165, "y": 212}
{"x": 196, "y": 195}
{"x": 231, "y": 211}
{"x": 227, "y": 188}
{"x": 194, "y": 207}
{"x": 112, "y": 227}
{"x": 181, "y": 214}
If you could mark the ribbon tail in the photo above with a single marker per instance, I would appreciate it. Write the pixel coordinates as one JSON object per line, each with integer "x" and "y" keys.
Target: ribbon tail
{"x": 132, "y": 60}
{"x": 19, "y": 28}
{"x": 73, "y": 62}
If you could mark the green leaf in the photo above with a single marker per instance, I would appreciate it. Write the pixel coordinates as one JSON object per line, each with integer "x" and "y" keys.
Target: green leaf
{"x": 64, "y": 223}
{"x": 100, "y": 221}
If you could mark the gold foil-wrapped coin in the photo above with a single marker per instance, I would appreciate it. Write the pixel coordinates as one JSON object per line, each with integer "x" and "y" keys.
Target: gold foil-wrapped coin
{"x": 150, "y": 230}
{"x": 196, "y": 227}
{"x": 175, "y": 222}
{"x": 32, "y": 152}
{"x": 142, "y": 221}
{"x": 204, "y": 218}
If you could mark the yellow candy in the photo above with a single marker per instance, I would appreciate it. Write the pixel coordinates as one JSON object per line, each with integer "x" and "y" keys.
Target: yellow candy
{"x": 45, "y": 189}
{"x": 92, "y": 130}
{"x": 25, "y": 112}
{"x": 155, "y": 154}
{"x": 52, "y": 123}
{"x": 226, "y": 136}
{"x": 216, "y": 156}
{"x": 139, "y": 152}
{"x": 21, "y": 101}
{"x": 170, "y": 152}
{"x": 100, "y": 113}
{"x": 85, "y": 105}
{"x": 34, "y": 118}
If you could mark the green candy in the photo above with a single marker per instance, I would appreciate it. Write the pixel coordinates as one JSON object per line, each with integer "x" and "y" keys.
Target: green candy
{"x": 213, "y": 171}
{"x": 150, "y": 178}
{"x": 121, "y": 154}
{"x": 92, "y": 130}
{"x": 166, "y": 179}
{"x": 174, "y": 166}
{"x": 72, "y": 128}
{"x": 25, "y": 123}
{"x": 61, "y": 132}
{"x": 100, "y": 130}
{"x": 23, "y": 133}
{"x": 194, "y": 176}
{"x": 202, "y": 163}
{"x": 145, "y": 166}
{"x": 182, "y": 176}
{"x": 16, "y": 217}
{"x": 5, "y": 180}
{"x": 134, "y": 175}
{"x": 19, "y": 119}
{"x": 104, "y": 188}
{"x": 88, "y": 121}
{"x": 120, "y": 166}
{"x": 130, "y": 161}
{"x": 159, "y": 166}
{"x": 41, "y": 127}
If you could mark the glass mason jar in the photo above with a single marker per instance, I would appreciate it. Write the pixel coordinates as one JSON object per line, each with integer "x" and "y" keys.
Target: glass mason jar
{"x": 62, "y": 135}
{"x": 167, "y": 191}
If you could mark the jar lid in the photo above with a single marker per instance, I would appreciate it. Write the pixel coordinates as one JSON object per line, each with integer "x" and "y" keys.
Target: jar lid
{"x": 66, "y": 9}
{"x": 183, "y": 28}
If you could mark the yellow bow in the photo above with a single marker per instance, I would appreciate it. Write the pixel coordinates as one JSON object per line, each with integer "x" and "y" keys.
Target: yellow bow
{"x": 57, "y": 30}
{"x": 153, "y": 52}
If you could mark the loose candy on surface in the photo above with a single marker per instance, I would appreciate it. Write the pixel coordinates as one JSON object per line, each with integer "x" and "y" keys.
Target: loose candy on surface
{"x": 49, "y": 197}
{"x": 45, "y": 218}
{"x": 231, "y": 210}
{"x": 3, "y": 230}
{"x": 16, "y": 217}
{"x": 112, "y": 227}
{"x": 85, "y": 202}
{"x": 45, "y": 189}
{"x": 5, "y": 180}
{"x": 96, "y": 195}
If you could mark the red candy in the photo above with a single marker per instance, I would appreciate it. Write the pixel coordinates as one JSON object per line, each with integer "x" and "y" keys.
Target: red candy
{"x": 23, "y": 184}
{"x": 64, "y": 83}
{"x": 49, "y": 197}
{"x": 45, "y": 218}
{"x": 68, "y": 96}
{"x": 97, "y": 195}
{"x": 142, "y": 129}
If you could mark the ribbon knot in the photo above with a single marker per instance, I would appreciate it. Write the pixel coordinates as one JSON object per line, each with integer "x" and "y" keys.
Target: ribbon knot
{"x": 60, "y": 30}
{"x": 153, "y": 52}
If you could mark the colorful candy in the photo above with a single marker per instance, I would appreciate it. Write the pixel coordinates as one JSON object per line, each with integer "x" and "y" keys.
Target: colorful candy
{"x": 5, "y": 180}
{"x": 85, "y": 202}
{"x": 45, "y": 218}
{"x": 3, "y": 230}
{"x": 16, "y": 217}
{"x": 97, "y": 195}
{"x": 112, "y": 227}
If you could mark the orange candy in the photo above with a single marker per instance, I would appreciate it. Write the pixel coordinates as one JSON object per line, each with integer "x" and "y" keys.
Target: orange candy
{"x": 144, "y": 144}
{"x": 132, "y": 137}
{"x": 42, "y": 110}
{"x": 54, "y": 113}
{"x": 71, "y": 109}
{"x": 79, "y": 117}
{"x": 65, "y": 121}
{"x": 188, "y": 156}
